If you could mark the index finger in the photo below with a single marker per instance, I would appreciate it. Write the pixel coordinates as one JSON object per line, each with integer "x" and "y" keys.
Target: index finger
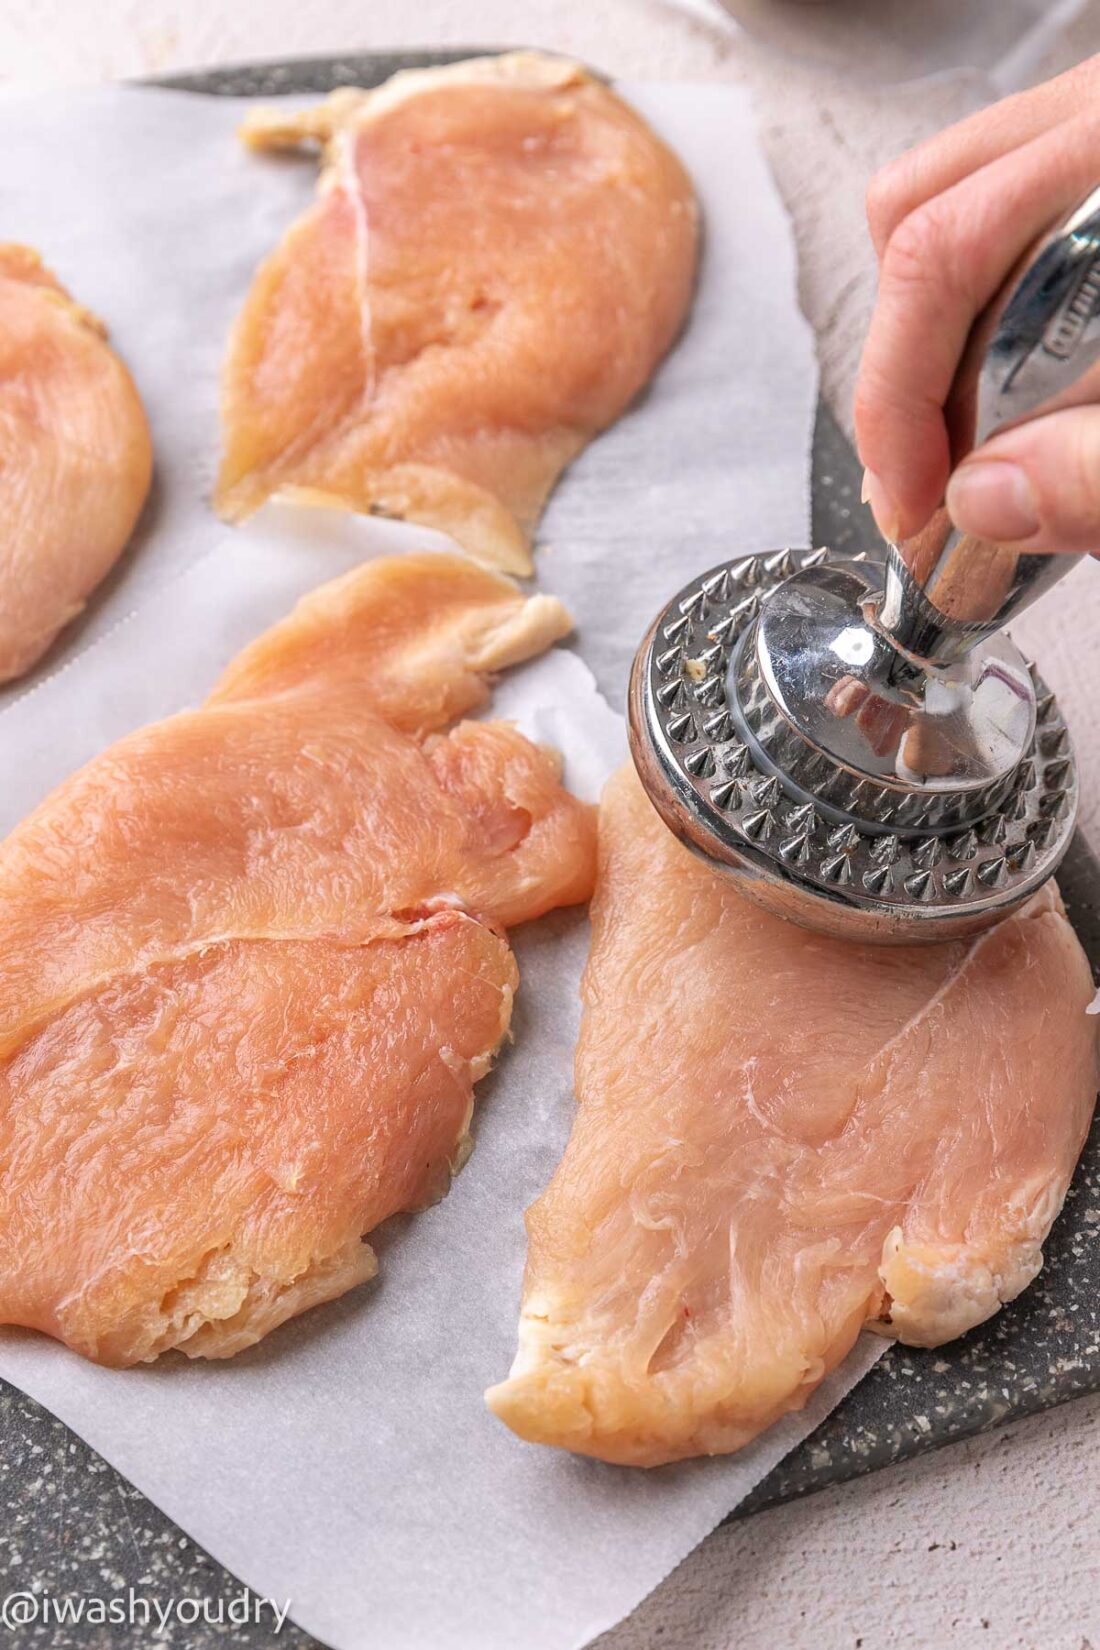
{"x": 942, "y": 161}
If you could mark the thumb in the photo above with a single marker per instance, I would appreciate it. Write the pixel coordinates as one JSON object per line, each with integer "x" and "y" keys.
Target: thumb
{"x": 1036, "y": 488}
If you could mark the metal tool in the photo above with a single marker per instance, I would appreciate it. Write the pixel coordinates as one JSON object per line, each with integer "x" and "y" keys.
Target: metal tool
{"x": 860, "y": 743}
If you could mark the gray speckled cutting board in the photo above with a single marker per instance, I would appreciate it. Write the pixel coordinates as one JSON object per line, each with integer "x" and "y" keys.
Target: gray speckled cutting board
{"x": 73, "y": 1525}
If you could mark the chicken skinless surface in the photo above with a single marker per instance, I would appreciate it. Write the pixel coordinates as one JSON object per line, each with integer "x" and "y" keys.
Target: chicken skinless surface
{"x": 500, "y": 253}
{"x": 253, "y": 960}
{"x": 76, "y": 458}
{"x": 779, "y": 1139}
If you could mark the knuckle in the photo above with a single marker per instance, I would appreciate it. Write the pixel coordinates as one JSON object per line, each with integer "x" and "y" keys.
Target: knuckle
{"x": 1080, "y": 132}
{"x": 942, "y": 245}
{"x": 919, "y": 247}
{"x": 877, "y": 416}
{"x": 884, "y": 393}
{"x": 1076, "y": 483}
{"x": 889, "y": 196}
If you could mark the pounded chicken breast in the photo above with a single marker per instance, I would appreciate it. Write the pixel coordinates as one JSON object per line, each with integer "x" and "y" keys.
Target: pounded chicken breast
{"x": 779, "y": 1139}
{"x": 75, "y": 458}
{"x": 500, "y": 253}
{"x": 253, "y": 960}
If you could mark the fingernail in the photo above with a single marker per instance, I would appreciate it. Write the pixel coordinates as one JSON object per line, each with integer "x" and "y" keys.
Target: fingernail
{"x": 883, "y": 508}
{"x": 993, "y": 499}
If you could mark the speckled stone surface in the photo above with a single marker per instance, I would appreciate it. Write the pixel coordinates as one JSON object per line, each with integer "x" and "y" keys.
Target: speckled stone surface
{"x": 72, "y": 1528}
{"x": 70, "y": 1525}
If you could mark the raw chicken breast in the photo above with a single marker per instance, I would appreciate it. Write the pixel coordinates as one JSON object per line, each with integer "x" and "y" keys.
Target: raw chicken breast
{"x": 75, "y": 458}
{"x": 252, "y": 962}
{"x": 500, "y": 254}
{"x": 781, "y": 1138}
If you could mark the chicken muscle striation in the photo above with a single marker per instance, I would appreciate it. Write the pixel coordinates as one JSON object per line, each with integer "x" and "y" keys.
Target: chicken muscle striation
{"x": 500, "y": 253}
{"x": 75, "y": 458}
{"x": 781, "y": 1138}
{"x": 252, "y": 961}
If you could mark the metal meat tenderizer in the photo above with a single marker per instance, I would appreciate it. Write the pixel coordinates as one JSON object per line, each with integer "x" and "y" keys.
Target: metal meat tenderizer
{"x": 863, "y": 745}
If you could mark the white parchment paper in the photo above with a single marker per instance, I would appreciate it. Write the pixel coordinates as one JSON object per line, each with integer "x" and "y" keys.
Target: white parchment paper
{"x": 348, "y": 1463}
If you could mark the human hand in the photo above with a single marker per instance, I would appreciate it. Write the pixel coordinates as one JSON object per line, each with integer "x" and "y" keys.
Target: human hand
{"x": 949, "y": 220}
